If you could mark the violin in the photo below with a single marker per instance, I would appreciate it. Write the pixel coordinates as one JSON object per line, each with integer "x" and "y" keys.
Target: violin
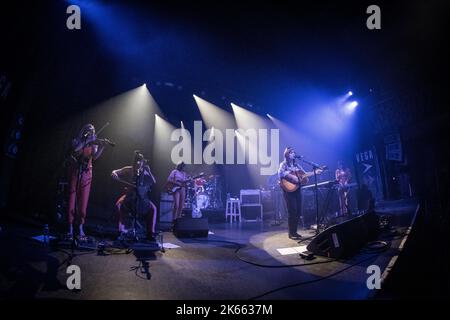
{"x": 98, "y": 141}
{"x": 104, "y": 142}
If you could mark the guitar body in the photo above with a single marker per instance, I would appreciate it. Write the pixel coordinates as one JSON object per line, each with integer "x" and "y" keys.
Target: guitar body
{"x": 289, "y": 186}
{"x": 172, "y": 187}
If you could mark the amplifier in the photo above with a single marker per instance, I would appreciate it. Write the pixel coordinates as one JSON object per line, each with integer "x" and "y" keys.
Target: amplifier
{"x": 250, "y": 197}
{"x": 166, "y": 197}
{"x": 252, "y": 213}
{"x": 165, "y": 208}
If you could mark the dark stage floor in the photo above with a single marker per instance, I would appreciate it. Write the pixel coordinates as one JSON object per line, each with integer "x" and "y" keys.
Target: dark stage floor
{"x": 208, "y": 268}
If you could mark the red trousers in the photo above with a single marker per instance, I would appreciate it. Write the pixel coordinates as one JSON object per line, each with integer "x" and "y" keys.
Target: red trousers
{"x": 82, "y": 194}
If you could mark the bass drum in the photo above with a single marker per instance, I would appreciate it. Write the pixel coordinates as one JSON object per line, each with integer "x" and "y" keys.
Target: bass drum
{"x": 201, "y": 202}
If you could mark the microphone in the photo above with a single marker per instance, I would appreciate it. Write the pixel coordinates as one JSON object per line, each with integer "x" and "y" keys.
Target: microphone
{"x": 299, "y": 157}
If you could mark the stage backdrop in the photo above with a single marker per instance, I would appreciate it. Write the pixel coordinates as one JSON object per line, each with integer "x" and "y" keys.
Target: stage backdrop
{"x": 368, "y": 171}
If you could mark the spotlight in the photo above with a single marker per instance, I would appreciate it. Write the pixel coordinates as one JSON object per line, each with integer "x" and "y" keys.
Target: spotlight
{"x": 214, "y": 116}
{"x": 350, "y": 107}
{"x": 350, "y": 93}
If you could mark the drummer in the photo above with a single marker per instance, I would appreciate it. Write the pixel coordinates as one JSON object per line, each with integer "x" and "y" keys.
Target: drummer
{"x": 199, "y": 185}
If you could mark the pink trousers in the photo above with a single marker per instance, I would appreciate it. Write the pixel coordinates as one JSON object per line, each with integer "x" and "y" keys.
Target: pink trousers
{"x": 82, "y": 194}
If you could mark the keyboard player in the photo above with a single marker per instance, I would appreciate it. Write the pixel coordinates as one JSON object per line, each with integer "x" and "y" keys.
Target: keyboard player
{"x": 343, "y": 177}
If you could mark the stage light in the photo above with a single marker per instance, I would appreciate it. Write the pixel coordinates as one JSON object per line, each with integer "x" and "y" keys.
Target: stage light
{"x": 162, "y": 143}
{"x": 213, "y": 116}
{"x": 342, "y": 99}
{"x": 350, "y": 107}
{"x": 246, "y": 119}
{"x": 162, "y": 146}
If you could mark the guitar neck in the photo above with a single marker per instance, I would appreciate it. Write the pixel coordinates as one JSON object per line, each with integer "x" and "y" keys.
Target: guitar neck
{"x": 193, "y": 178}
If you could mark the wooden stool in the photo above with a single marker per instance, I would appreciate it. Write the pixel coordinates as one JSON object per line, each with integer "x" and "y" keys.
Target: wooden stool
{"x": 233, "y": 209}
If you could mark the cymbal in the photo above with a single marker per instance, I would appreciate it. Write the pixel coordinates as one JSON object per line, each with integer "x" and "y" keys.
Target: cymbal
{"x": 214, "y": 176}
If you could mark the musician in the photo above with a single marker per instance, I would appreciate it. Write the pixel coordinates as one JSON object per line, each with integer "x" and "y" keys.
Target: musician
{"x": 178, "y": 177}
{"x": 293, "y": 199}
{"x": 137, "y": 199}
{"x": 343, "y": 177}
{"x": 86, "y": 148}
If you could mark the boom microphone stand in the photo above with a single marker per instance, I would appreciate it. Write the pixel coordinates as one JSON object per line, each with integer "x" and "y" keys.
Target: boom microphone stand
{"x": 74, "y": 243}
{"x": 136, "y": 206}
{"x": 315, "y": 166}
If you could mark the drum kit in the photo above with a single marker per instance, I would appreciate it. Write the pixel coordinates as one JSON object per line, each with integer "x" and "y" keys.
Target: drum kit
{"x": 204, "y": 193}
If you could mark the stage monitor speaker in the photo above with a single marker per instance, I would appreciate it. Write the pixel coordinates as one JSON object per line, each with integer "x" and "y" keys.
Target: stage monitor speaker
{"x": 345, "y": 239}
{"x": 191, "y": 227}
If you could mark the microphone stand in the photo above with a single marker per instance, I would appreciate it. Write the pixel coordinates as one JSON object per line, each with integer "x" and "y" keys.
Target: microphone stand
{"x": 136, "y": 202}
{"x": 74, "y": 244}
{"x": 315, "y": 166}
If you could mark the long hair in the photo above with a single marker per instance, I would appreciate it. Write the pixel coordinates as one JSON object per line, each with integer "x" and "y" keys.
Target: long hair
{"x": 180, "y": 165}
{"x": 138, "y": 156}
{"x": 286, "y": 153}
{"x": 86, "y": 128}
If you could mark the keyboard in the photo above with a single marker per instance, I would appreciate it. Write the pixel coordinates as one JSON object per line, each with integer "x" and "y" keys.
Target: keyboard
{"x": 324, "y": 184}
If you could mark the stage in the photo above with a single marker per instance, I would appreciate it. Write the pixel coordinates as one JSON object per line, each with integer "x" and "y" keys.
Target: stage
{"x": 238, "y": 261}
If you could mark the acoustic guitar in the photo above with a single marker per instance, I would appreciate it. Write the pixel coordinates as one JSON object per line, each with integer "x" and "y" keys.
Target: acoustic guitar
{"x": 303, "y": 177}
